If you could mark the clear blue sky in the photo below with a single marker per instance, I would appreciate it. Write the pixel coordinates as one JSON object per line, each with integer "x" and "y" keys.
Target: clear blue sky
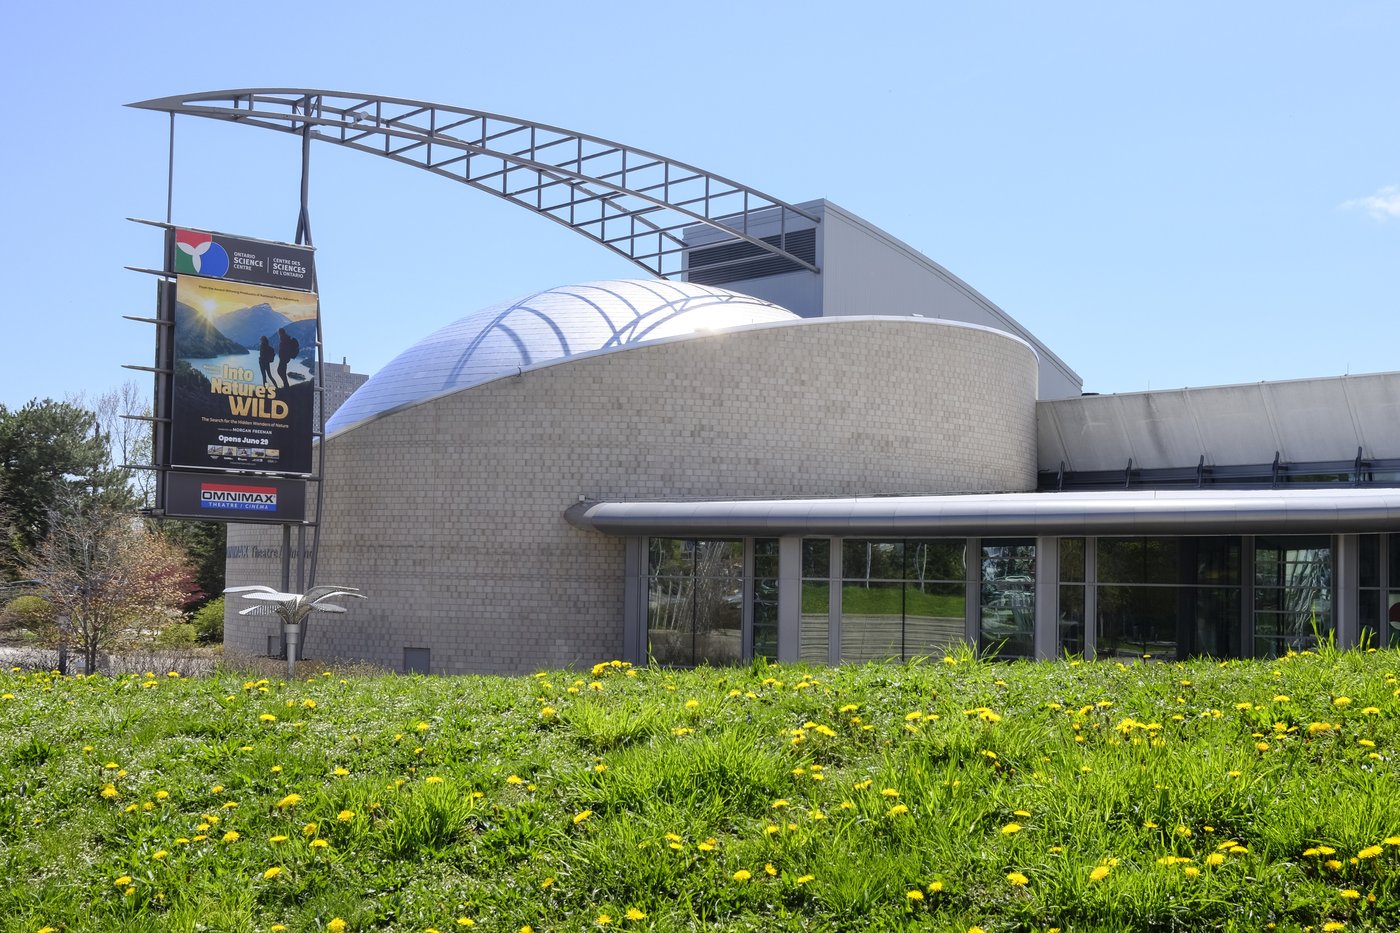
{"x": 1167, "y": 194}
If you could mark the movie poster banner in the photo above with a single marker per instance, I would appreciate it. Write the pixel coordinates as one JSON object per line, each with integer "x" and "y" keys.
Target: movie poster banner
{"x": 243, "y": 389}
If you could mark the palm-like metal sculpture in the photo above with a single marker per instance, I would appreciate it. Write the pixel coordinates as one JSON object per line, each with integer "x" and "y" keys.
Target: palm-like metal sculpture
{"x": 293, "y": 608}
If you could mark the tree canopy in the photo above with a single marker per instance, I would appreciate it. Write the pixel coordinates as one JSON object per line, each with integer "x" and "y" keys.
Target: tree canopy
{"x": 50, "y": 451}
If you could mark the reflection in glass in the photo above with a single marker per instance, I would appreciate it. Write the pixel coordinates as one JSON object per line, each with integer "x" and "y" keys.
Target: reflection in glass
{"x": 1007, "y": 618}
{"x": 1071, "y": 560}
{"x": 902, "y": 599}
{"x": 1292, "y": 593}
{"x": 765, "y": 598}
{"x": 1071, "y": 620}
{"x": 872, "y": 620}
{"x": 695, "y": 594}
{"x": 815, "y": 634}
{"x": 935, "y": 618}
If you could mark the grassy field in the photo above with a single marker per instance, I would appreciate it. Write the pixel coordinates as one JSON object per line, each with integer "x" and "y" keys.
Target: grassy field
{"x": 948, "y": 795}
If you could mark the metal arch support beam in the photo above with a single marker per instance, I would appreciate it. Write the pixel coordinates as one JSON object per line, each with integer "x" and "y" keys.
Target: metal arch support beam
{"x": 634, "y": 202}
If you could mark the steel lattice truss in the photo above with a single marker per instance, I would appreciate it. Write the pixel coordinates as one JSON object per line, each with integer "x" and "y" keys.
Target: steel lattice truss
{"x": 636, "y": 203}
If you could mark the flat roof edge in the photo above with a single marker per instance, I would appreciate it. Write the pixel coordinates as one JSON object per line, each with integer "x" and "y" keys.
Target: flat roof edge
{"x": 1020, "y": 514}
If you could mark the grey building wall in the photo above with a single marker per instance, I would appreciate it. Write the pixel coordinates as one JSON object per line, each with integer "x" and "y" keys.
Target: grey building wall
{"x": 865, "y": 270}
{"x": 1300, "y": 419}
{"x": 450, "y": 514}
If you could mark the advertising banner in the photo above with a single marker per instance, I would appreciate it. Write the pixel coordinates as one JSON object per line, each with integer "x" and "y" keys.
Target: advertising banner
{"x": 243, "y": 382}
{"x": 236, "y": 259}
{"x": 234, "y": 498}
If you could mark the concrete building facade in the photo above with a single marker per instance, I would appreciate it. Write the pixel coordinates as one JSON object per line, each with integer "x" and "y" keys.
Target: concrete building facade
{"x": 868, "y": 462}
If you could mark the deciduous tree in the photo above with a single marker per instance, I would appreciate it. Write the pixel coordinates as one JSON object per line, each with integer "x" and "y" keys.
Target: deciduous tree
{"x": 109, "y": 576}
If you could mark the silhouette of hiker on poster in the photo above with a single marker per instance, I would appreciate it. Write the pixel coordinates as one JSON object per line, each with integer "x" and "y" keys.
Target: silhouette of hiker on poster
{"x": 265, "y": 355}
{"x": 287, "y": 349}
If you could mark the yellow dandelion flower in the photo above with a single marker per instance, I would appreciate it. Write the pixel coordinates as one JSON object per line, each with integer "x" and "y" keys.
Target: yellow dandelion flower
{"x": 277, "y": 839}
{"x": 1017, "y": 879}
{"x": 309, "y": 829}
{"x": 231, "y": 836}
{"x": 432, "y": 779}
{"x": 769, "y": 870}
{"x": 336, "y": 925}
{"x": 889, "y": 792}
{"x": 1332, "y": 926}
{"x": 123, "y": 881}
{"x": 1350, "y": 894}
{"x": 580, "y": 817}
{"x": 898, "y": 809}
{"x": 1369, "y": 852}
{"x": 1099, "y": 873}
{"x": 109, "y": 792}
{"x": 778, "y": 804}
{"x": 267, "y": 717}
{"x": 934, "y": 887}
{"x": 159, "y": 854}
{"x": 1332, "y": 865}
{"x": 602, "y": 920}
{"x": 692, "y": 704}
{"x": 914, "y": 895}
{"x": 272, "y": 872}
{"x": 340, "y": 772}
{"x": 1342, "y": 701}
{"x": 345, "y": 816}
{"x": 319, "y": 843}
{"x": 162, "y": 794}
{"x": 1215, "y": 858}
{"x": 742, "y": 875}
{"x": 803, "y": 879}
{"x": 1191, "y": 871}
{"x": 1010, "y": 829}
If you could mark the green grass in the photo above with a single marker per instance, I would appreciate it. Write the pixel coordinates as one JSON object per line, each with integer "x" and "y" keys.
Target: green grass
{"x": 1202, "y": 797}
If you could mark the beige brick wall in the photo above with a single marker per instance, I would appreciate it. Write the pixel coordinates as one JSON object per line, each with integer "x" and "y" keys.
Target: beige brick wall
{"x": 449, "y": 514}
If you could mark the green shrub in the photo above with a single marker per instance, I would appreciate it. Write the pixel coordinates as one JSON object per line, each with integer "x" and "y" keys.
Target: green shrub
{"x": 209, "y": 621}
{"x": 180, "y": 635}
{"x": 33, "y": 614}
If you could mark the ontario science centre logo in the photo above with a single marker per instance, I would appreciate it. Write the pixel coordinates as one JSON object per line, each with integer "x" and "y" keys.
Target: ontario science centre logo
{"x": 197, "y": 254}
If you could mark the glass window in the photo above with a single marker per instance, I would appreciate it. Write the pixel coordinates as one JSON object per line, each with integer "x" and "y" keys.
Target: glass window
{"x": 765, "y": 598}
{"x": 1370, "y": 563}
{"x": 872, "y": 620}
{"x": 1292, "y": 593}
{"x": 901, "y": 599}
{"x": 1007, "y": 617}
{"x": 814, "y": 636}
{"x": 816, "y": 558}
{"x": 1071, "y": 620}
{"x": 935, "y": 617}
{"x": 695, "y": 592}
{"x": 1071, "y": 560}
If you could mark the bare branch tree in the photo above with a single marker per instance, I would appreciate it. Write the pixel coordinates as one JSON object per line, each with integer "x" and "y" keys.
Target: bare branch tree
{"x": 109, "y": 577}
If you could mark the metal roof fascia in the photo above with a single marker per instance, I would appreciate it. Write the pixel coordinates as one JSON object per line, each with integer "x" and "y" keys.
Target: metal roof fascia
{"x": 1058, "y": 514}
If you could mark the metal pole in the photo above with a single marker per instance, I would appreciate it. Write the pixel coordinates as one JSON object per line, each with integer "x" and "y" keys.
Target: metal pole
{"x": 170, "y": 173}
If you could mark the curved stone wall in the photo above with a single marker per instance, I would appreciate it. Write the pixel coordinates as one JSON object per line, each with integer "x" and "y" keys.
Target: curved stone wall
{"x": 450, "y": 514}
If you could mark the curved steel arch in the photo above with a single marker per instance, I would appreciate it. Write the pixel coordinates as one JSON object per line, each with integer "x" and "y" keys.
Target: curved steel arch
{"x": 636, "y": 203}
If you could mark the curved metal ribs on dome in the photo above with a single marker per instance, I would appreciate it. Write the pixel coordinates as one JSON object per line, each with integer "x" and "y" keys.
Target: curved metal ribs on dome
{"x": 548, "y": 326}
{"x": 636, "y": 203}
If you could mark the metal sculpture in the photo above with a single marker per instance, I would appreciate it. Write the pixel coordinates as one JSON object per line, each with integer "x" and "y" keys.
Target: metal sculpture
{"x": 293, "y": 609}
{"x": 636, "y": 203}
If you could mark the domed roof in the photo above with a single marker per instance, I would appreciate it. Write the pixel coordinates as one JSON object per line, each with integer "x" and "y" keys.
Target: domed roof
{"x": 549, "y": 326}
